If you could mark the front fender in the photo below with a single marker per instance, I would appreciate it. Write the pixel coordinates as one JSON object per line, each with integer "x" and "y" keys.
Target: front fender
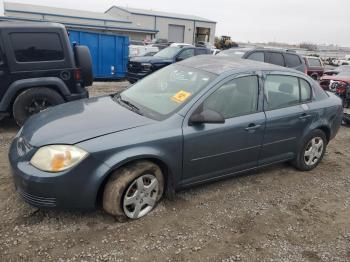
{"x": 173, "y": 164}
{"x": 23, "y": 84}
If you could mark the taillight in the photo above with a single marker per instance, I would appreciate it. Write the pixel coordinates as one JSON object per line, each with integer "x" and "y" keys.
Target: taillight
{"x": 77, "y": 74}
{"x": 341, "y": 90}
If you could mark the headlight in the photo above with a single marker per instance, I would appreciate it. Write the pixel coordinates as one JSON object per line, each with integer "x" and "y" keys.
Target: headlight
{"x": 146, "y": 66}
{"x": 56, "y": 158}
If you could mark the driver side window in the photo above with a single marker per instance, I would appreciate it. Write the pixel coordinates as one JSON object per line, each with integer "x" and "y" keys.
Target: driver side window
{"x": 186, "y": 54}
{"x": 235, "y": 98}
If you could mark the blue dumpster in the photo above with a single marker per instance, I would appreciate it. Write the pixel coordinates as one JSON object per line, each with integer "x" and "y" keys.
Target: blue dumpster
{"x": 109, "y": 52}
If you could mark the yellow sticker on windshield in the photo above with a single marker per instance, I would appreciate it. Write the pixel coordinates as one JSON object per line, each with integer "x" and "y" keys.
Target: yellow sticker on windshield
{"x": 181, "y": 96}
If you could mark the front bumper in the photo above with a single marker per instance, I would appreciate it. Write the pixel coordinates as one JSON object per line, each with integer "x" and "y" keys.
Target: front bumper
{"x": 134, "y": 77}
{"x": 76, "y": 188}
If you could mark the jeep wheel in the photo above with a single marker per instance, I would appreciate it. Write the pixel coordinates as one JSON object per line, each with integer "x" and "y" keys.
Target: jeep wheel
{"x": 33, "y": 101}
{"x": 133, "y": 191}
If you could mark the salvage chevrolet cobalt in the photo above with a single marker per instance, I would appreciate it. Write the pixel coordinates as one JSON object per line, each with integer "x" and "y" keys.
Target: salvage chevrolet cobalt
{"x": 200, "y": 120}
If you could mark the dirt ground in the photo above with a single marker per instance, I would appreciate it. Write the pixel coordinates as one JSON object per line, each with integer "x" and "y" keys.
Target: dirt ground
{"x": 277, "y": 214}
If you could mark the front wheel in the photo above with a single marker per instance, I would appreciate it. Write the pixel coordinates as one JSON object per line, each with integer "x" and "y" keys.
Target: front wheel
{"x": 311, "y": 151}
{"x": 133, "y": 191}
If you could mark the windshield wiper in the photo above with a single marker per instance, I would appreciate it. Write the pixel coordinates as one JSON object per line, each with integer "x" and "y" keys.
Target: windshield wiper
{"x": 133, "y": 108}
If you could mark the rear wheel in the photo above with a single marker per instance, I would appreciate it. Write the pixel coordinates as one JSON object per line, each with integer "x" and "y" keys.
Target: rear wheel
{"x": 133, "y": 191}
{"x": 33, "y": 101}
{"x": 312, "y": 151}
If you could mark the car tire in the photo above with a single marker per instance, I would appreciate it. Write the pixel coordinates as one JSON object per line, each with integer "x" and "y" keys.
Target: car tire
{"x": 311, "y": 151}
{"x": 33, "y": 101}
{"x": 84, "y": 62}
{"x": 130, "y": 192}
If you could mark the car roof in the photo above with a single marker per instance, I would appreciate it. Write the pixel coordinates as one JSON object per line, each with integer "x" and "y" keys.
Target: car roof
{"x": 221, "y": 64}
{"x": 315, "y": 57}
{"x": 36, "y": 25}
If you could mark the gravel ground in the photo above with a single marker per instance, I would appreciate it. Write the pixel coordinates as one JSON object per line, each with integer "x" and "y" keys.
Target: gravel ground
{"x": 277, "y": 214}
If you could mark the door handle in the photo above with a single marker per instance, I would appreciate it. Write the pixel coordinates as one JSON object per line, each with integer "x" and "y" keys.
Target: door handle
{"x": 252, "y": 127}
{"x": 304, "y": 116}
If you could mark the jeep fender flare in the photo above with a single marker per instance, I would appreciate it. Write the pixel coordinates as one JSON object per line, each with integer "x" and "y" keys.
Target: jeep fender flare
{"x": 23, "y": 84}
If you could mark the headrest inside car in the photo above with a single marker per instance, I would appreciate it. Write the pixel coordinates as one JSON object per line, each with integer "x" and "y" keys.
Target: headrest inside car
{"x": 286, "y": 88}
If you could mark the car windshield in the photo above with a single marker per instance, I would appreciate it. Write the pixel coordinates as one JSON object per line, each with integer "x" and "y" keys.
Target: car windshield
{"x": 168, "y": 52}
{"x": 164, "y": 92}
{"x": 233, "y": 53}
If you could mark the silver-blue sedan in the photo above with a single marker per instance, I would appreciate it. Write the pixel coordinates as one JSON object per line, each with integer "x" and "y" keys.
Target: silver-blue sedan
{"x": 203, "y": 119}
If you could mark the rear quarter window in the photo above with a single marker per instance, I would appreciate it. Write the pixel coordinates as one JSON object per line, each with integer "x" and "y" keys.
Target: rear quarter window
{"x": 276, "y": 59}
{"x": 37, "y": 47}
{"x": 292, "y": 60}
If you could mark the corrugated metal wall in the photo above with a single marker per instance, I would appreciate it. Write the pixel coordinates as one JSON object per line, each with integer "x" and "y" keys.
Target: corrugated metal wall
{"x": 109, "y": 52}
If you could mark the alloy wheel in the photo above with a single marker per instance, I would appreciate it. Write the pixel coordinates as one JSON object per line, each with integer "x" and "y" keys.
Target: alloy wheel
{"x": 141, "y": 196}
{"x": 313, "y": 151}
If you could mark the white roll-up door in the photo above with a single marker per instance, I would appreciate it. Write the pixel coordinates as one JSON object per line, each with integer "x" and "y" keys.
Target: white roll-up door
{"x": 176, "y": 33}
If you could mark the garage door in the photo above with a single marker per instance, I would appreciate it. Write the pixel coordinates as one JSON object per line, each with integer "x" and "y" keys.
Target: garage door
{"x": 176, "y": 33}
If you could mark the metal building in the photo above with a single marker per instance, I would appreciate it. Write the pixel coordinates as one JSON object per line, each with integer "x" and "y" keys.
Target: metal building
{"x": 138, "y": 24}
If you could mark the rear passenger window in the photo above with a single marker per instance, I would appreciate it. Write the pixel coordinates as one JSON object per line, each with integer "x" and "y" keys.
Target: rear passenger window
{"x": 276, "y": 59}
{"x": 257, "y": 56}
{"x": 36, "y": 47}
{"x": 305, "y": 91}
{"x": 292, "y": 60}
{"x": 281, "y": 91}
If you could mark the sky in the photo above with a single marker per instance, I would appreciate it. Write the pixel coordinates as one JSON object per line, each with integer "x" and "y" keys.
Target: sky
{"x": 288, "y": 21}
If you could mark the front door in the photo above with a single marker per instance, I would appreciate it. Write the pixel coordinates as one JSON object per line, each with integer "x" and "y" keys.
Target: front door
{"x": 215, "y": 150}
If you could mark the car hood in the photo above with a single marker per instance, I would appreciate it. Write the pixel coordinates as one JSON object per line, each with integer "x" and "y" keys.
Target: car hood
{"x": 80, "y": 120}
{"x": 150, "y": 59}
{"x": 336, "y": 78}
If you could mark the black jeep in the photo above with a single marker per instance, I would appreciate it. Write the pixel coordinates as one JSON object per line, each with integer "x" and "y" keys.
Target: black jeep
{"x": 39, "y": 68}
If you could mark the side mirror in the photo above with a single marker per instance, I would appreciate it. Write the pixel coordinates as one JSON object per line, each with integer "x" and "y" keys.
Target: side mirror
{"x": 207, "y": 116}
{"x": 178, "y": 59}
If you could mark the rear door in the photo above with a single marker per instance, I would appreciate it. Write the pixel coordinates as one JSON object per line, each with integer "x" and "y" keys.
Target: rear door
{"x": 287, "y": 117}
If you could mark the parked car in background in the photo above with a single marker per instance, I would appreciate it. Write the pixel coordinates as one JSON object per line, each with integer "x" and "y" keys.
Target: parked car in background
{"x": 138, "y": 48}
{"x": 161, "y": 43}
{"x": 150, "y": 54}
{"x": 279, "y": 57}
{"x": 181, "y": 45}
{"x": 139, "y": 67}
{"x": 337, "y": 70}
{"x": 314, "y": 66}
{"x": 197, "y": 121}
{"x": 39, "y": 69}
{"x": 339, "y": 84}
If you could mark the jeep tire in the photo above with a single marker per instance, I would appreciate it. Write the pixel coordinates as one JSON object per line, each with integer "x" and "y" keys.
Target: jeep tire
{"x": 33, "y": 101}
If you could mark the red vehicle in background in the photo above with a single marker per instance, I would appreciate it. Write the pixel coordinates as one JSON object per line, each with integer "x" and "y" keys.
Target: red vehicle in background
{"x": 340, "y": 85}
{"x": 314, "y": 67}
